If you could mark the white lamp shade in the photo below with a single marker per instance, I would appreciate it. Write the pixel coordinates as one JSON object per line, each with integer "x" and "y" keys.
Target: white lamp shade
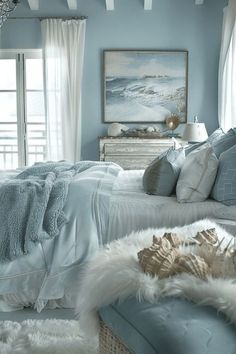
{"x": 195, "y": 132}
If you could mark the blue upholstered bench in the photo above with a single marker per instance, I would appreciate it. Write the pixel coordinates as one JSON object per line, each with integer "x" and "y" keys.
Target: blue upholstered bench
{"x": 173, "y": 326}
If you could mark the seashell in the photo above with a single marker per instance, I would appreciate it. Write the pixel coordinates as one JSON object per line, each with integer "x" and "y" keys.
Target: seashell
{"x": 173, "y": 239}
{"x": 116, "y": 129}
{"x": 191, "y": 264}
{"x": 207, "y": 236}
{"x": 158, "y": 259}
{"x": 150, "y": 129}
{"x": 223, "y": 266}
{"x": 161, "y": 242}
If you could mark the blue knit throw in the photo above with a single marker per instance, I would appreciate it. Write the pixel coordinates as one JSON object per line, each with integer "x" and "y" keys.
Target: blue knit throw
{"x": 31, "y": 206}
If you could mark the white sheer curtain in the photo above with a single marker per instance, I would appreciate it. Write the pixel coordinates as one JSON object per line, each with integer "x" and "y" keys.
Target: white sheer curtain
{"x": 227, "y": 69}
{"x": 63, "y": 51}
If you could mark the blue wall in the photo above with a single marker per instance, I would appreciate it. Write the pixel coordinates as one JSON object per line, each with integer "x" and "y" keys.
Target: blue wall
{"x": 172, "y": 24}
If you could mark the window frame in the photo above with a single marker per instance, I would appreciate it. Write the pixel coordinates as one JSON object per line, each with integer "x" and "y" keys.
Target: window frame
{"x": 20, "y": 55}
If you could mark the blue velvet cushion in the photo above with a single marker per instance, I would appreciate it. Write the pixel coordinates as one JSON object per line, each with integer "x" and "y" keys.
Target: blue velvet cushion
{"x": 161, "y": 175}
{"x": 172, "y": 326}
{"x": 224, "y": 189}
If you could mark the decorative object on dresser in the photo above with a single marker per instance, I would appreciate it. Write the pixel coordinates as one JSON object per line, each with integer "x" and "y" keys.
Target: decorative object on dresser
{"x": 133, "y": 153}
{"x": 145, "y": 85}
{"x": 172, "y": 123}
{"x": 116, "y": 129}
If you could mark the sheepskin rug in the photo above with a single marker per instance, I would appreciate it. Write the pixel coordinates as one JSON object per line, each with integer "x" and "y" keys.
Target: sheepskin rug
{"x": 44, "y": 337}
{"x": 115, "y": 274}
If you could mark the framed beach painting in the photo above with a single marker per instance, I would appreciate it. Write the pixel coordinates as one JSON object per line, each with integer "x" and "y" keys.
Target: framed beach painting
{"x": 145, "y": 86}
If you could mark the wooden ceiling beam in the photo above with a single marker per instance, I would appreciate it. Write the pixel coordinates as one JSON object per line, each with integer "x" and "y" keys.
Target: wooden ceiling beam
{"x": 33, "y": 4}
{"x": 147, "y": 4}
{"x": 72, "y": 4}
{"x": 110, "y": 6}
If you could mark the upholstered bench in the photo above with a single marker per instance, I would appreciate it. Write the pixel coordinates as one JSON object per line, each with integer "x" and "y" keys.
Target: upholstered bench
{"x": 173, "y": 326}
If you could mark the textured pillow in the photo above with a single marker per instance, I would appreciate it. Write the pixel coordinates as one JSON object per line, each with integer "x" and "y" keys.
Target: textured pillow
{"x": 197, "y": 176}
{"x": 211, "y": 140}
{"x": 224, "y": 189}
{"x": 161, "y": 175}
{"x": 225, "y": 142}
{"x": 215, "y": 136}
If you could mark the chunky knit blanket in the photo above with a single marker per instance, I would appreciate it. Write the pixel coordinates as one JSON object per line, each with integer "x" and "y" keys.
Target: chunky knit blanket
{"x": 31, "y": 206}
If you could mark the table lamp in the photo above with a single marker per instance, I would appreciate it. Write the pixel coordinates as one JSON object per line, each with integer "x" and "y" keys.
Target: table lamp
{"x": 195, "y": 132}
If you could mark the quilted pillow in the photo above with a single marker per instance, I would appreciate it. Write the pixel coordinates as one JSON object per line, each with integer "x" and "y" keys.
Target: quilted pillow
{"x": 224, "y": 189}
{"x": 197, "y": 176}
{"x": 161, "y": 175}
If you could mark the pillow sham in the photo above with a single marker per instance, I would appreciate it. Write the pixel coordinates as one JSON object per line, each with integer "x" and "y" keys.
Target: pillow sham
{"x": 197, "y": 176}
{"x": 161, "y": 175}
{"x": 224, "y": 189}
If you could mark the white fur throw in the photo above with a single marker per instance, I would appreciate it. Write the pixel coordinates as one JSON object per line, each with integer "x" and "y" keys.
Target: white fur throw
{"x": 115, "y": 274}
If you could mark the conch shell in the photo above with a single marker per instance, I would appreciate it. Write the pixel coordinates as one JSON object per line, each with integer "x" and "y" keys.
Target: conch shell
{"x": 207, "y": 236}
{"x": 191, "y": 264}
{"x": 159, "y": 258}
{"x": 173, "y": 239}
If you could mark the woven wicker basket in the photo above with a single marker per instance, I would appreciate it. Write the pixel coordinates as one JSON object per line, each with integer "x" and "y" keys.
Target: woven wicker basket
{"x": 109, "y": 343}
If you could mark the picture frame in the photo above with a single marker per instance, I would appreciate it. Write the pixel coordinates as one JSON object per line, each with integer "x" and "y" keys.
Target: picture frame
{"x": 142, "y": 86}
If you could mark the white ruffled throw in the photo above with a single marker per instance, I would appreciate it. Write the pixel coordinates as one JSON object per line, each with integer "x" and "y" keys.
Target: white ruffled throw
{"x": 115, "y": 274}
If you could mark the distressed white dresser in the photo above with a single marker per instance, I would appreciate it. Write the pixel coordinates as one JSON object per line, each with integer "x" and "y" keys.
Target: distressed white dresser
{"x": 132, "y": 153}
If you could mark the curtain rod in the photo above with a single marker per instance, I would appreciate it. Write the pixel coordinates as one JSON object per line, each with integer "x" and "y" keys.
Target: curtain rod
{"x": 40, "y": 18}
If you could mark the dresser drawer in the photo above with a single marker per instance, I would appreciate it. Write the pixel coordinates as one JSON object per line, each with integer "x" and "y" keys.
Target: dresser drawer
{"x": 132, "y": 163}
{"x": 135, "y": 149}
{"x": 132, "y": 153}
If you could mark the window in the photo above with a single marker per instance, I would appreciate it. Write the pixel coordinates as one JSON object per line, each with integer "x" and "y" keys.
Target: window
{"x": 22, "y": 110}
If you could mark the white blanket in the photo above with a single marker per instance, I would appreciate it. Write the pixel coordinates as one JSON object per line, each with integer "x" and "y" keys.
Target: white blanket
{"x": 115, "y": 274}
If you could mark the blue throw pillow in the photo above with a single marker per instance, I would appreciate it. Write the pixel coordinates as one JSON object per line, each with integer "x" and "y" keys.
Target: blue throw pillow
{"x": 215, "y": 136}
{"x": 211, "y": 140}
{"x": 161, "y": 176}
{"x": 225, "y": 142}
{"x": 224, "y": 189}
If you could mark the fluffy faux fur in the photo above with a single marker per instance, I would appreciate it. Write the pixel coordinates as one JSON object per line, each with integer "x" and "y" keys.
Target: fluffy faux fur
{"x": 44, "y": 337}
{"x": 115, "y": 274}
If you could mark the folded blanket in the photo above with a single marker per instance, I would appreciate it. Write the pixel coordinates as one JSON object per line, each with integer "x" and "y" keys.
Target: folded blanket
{"x": 31, "y": 206}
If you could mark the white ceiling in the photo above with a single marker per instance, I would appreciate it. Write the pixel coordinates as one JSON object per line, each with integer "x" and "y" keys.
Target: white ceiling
{"x": 109, "y": 4}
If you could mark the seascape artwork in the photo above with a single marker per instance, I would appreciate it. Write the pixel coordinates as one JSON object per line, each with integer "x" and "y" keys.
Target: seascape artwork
{"x": 145, "y": 86}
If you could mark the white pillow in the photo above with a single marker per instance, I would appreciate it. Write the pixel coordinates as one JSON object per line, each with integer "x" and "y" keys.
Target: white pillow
{"x": 197, "y": 176}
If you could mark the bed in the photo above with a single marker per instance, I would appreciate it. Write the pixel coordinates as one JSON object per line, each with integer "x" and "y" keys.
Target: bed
{"x": 104, "y": 203}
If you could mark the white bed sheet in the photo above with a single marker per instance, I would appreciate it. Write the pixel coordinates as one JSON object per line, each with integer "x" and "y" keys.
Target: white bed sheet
{"x": 100, "y": 208}
{"x": 51, "y": 270}
{"x": 131, "y": 209}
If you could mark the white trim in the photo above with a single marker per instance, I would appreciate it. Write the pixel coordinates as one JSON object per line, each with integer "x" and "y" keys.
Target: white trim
{"x": 110, "y": 6}
{"x": 148, "y": 5}
{"x": 20, "y": 51}
{"x": 33, "y": 4}
{"x": 72, "y": 4}
{"x": 20, "y": 85}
